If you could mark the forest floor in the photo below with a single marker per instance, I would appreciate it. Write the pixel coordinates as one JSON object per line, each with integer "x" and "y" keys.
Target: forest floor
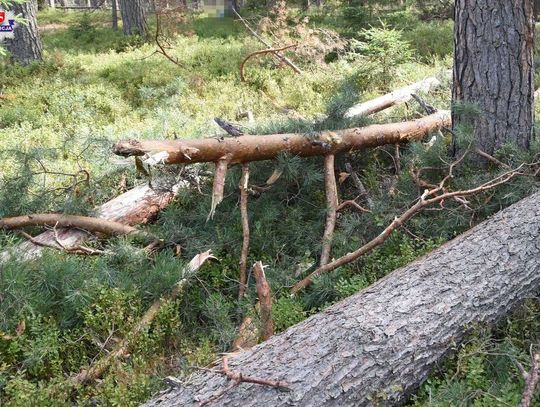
{"x": 60, "y": 313}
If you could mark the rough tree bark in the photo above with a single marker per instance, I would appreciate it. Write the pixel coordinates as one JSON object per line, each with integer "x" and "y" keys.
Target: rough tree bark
{"x": 26, "y": 46}
{"x": 114, "y": 15}
{"x": 133, "y": 17}
{"x": 494, "y": 69}
{"x": 247, "y": 148}
{"x": 377, "y": 346}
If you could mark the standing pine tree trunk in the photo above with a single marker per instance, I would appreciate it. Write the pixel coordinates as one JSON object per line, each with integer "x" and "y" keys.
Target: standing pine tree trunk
{"x": 114, "y": 6}
{"x": 26, "y": 46}
{"x": 494, "y": 69}
{"x": 133, "y": 17}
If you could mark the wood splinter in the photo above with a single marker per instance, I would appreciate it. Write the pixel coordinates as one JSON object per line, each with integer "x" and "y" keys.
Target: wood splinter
{"x": 265, "y": 301}
{"x": 219, "y": 185}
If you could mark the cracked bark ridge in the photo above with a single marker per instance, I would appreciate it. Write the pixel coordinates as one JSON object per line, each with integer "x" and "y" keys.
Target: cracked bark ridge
{"x": 494, "y": 69}
{"x": 377, "y": 346}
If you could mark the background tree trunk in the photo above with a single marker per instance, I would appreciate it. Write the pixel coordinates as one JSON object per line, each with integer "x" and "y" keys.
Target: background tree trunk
{"x": 26, "y": 46}
{"x": 494, "y": 69}
{"x": 133, "y": 17}
{"x": 377, "y": 346}
{"x": 114, "y": 6}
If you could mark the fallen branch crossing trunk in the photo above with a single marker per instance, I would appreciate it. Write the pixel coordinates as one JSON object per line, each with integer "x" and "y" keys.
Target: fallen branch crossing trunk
{"x": 377, "y": 346}
{"x": 248, "y": 148}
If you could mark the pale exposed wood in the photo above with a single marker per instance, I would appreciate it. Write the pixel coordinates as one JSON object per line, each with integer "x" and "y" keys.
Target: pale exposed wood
{"x": 244, "y": 181}
{"x": 136, "y": 206}
{"x": 398, "y": 96}
{"x": 87, "y": 223}
{"x": 331, "y": 208}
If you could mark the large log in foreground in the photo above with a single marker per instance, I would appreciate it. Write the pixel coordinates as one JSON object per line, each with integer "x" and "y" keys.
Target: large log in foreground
{"x": 234, "y": 150}
{"x": 377, "y": 346}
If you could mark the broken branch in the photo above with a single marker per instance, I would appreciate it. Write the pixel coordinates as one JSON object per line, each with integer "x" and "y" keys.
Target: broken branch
{"x": 244, "y": 180}
{"x": 429, "y": 197}
{"x": 531, "y": 381}
{"x": 331, "y": 207}
{"x": 256, "y": 148}
{"x": 219, "y": 185}
{"x": 401, "y": 95}
{"x": 265, "y": 301}
{"x": 97, "y": 225}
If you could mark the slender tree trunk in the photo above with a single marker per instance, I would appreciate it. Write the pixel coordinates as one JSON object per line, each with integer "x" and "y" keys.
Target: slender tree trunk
{"x": 376, "y": 347}
{"x": 494, "y": 69}
{"x": 133, "y": 17}
{"x": 26, "y": 46}
{"x": 536, "y": 9}
{"x": 114, "y": 6}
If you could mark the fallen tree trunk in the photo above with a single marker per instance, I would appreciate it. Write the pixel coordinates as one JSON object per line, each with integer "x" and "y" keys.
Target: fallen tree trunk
{"x": 248, "y": 148}
{"x": 377, "y": 346}
{"x": 398, "y": 96}
{"x": 136, "y": 206}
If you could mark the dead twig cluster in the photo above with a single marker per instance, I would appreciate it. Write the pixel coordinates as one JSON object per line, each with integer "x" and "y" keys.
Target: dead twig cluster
{"x": 433, "y": 194}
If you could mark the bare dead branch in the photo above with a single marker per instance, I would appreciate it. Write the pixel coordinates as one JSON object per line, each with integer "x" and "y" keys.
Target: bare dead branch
{"x": 359, "y": 185}
{"x": 265, "y": 301}
{"x": 244, "y": 180}
{"x": 429, "y": 197}
{"x": 267, "y": 44}
{"x": 397, "y": 96}
{"x": 260, "y": 52}
{"x": 352, "y": 203}
{"x": 531, "y": 381}
{"x": 331, "y": 207}
{"x": 238, "y": 378}
{"x": 97, "y": 225}
{"x": 77, "y": 249}
{"x": 264, "y": 147}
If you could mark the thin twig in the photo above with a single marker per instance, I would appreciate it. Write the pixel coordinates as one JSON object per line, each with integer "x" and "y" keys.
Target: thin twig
{"x": 238, "y": 378}
{"x": 244, "y": 180}
{"x": 531, "y": 381}
{"x": 267, "y": 44}
{"x": 331, "y": 207}
{"x": 429, "y": 197}
{"x": 260, "y": 52}
{"x": 352, "y": 203}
